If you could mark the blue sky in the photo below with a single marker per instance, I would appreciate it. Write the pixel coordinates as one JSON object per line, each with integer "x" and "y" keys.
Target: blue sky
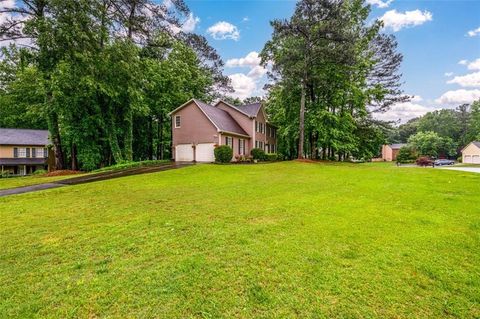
{"x": 433, "y": 36}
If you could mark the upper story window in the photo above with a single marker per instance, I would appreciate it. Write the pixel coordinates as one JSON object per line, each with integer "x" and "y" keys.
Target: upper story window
{"x": 21, "y": 152}
{"x": 177, "y": 121}
{"x": 229, "y": 141}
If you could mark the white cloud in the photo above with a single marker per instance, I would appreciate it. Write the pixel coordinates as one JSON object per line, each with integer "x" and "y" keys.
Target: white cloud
{"x": 463, "y": 62}
{"x": 448, "y": 74}
{"x": 246, "y": 85}
{"x": 473, "y": 33}
{"x": 251, "y": 60}
{"x": 245, "y": 19}
{"x": 191, "y": 23}
{"x": 243, "y": 85}
{"x": 404, "y": 111}
{"x": 459, "y": 97}
{"x": 398, "y": 20}
{"x": 468, "y": 80}
{"x": 474, "y": 65}
{"x": 257, "y": 72}
{"x": 380, "y": 3}
{"x": 223, "y": 30}
{"x": 7, "y": 4}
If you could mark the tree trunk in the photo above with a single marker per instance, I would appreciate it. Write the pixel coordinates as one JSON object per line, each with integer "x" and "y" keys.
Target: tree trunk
{"x": 113, "y": 140}
{"x": 74, "y": 157}
{"x": 301, "y": 133}
{"x": 56, "y": 140}
{"x": 161, "y": 153}
{"x": 128, "y": 138}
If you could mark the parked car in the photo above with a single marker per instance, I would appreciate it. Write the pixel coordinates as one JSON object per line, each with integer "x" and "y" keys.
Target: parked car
{"x": 441, "y": 162}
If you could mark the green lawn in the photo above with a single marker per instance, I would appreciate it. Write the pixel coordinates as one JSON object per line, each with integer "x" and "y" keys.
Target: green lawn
{"x": 276, "y": 240}
{"x": 13, "y": 182}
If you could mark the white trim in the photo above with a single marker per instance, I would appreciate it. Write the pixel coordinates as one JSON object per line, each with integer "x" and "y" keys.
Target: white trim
{"x": 236, "y": 134}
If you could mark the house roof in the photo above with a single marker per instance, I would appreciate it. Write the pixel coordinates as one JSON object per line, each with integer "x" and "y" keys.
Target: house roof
{"x": 397, "y": 146}
{"x": 250, "y": 110}
{"x": 220, "y": 118}
{"x": 12, "y": 136}
{"x": 23, "y": 161}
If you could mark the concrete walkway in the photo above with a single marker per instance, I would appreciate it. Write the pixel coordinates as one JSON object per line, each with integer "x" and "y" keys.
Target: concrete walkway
{"x": 91, "y": 178}
{"x": 464, "y": 169}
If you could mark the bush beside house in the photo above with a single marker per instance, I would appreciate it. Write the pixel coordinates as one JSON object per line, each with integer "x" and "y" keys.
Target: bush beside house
{"x": 223, "y": 154}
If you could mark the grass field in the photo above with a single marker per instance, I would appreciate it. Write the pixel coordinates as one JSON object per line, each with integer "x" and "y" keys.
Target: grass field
{"x": 275, "y": 240}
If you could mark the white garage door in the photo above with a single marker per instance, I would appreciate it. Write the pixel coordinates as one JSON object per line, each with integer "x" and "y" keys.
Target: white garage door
{"x": 476, "y": 159}
{"x": 467, "y": 159}
{"x": 205, "y": 152}
{"x": 184, "y": 153}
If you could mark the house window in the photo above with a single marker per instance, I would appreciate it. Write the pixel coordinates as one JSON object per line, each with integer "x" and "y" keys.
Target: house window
{"x": 241, "y": 147}
{"x": 256, "y": 126}
{"x": 268, "y": 130}
{"x": 229, "y": 141}
{"x": 177, "y": 121}
{"x": 28, "y": 152}
{"x": 34, "y": 152}
{"x": 45, "y": 152}
{"x": 261, "y": 127}
{"x": 21, "y": 152}
{"x": 15, "y": 152}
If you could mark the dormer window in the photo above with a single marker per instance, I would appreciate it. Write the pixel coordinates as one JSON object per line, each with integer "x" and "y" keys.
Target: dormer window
{"x": 177, "y": 121}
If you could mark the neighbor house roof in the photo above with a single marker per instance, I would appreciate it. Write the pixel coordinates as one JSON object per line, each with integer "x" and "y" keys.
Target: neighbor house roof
{"x": 476, "y": 143}
{"x": 220, "y": 118}
{"x": 12, "y": 136}
{"x": 397, "y": 146}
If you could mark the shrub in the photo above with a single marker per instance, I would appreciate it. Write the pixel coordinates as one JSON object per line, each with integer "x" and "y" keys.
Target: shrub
{"x": 40, "y": 172}
{"x": 406, "y": 155}
{"x": 460, "y": 159}
{"x": 258, "y": 154}
{"x": 271, "y": 157}
{"x": 424, "y": 161}
{"x": 223, "y": 154}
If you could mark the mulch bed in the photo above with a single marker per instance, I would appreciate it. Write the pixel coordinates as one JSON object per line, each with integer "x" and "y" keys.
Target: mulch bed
{"x": 62, "y": 173}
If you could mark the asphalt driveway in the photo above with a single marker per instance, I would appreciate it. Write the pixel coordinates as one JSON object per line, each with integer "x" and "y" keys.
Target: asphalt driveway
{"x": 92, "y": 178}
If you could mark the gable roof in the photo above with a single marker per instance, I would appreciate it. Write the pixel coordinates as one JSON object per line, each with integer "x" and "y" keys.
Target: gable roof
{"x": 12, "y": 136}
{"x": 397, "y": 146}
{"x": 250, "y": 110}
{"x": 223, "y": 121}
{"x": 476, "y": 143}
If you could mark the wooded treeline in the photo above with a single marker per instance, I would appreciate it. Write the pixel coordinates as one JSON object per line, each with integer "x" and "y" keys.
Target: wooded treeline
{"x": 446, "y": 130}
{"x": 102, "y": 75}
{"x": 331, "y": 69}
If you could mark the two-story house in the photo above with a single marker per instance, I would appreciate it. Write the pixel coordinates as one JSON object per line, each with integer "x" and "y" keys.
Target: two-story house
{"x": 23, "y": 151}
{"x": 197, "y": 128}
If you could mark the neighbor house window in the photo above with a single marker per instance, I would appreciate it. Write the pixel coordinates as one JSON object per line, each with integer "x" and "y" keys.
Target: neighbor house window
{"x": 34, "y": 152}
{"x": 28, "y": 152}
{"x": 15, "y": 152}
{"x": 177, "y": 121}
{"x": 45, "y": 152}
{"x": 22, "y": 152}
{"x": 229, "y": 141}
{"x": 241, "y": 146}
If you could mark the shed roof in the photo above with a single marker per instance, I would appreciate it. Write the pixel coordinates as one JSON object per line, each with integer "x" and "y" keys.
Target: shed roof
{"x": 13, "y": 136}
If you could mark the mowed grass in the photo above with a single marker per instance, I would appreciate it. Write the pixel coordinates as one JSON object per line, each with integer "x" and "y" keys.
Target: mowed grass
{"x": 276, "y": 240}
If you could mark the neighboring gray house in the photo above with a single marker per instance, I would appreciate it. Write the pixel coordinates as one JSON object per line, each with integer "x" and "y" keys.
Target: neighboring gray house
{"x": 197, "y": 128}
{"x": 23, "y": 151}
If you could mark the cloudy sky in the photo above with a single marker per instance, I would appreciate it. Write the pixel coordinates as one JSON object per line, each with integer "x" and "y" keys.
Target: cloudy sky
{"x": 440, "y": 41}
